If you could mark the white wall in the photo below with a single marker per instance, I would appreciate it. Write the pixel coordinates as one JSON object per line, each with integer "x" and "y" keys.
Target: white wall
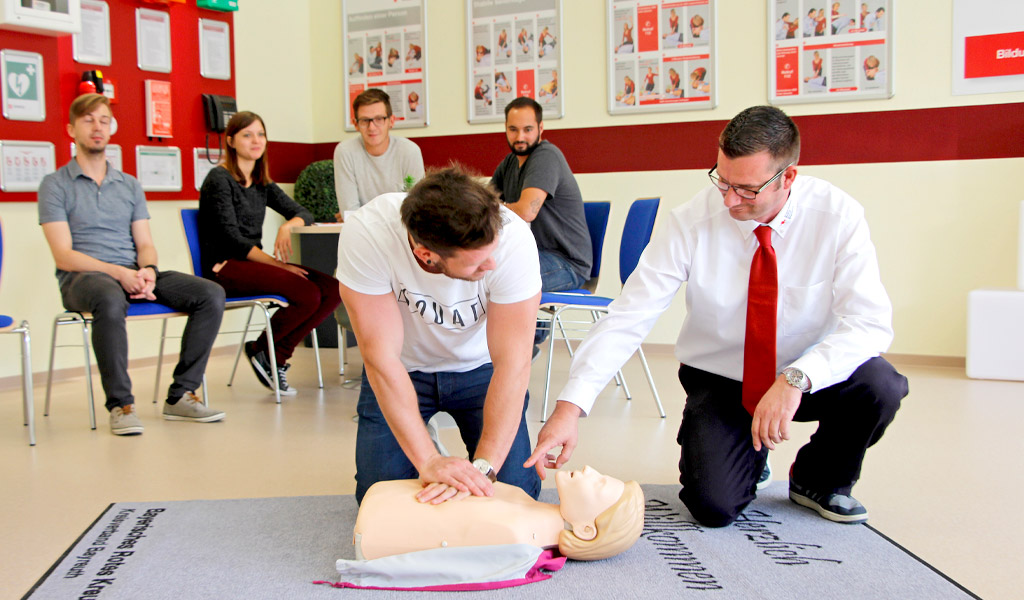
{"x": 942, "y": 228}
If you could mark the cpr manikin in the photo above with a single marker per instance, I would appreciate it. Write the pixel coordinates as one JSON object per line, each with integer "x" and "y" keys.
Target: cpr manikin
{"x": 599, "y": 516}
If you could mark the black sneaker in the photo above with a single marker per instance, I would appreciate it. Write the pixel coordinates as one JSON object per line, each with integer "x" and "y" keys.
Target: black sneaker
{"x": 260, "y": 364}
{"x": 766, "y": 475}
{"x": 536, "y": 353}
{"x": 834, "y": 507}
{"x": 282, "y": 379}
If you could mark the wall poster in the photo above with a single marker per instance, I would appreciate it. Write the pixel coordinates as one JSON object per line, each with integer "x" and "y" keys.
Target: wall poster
{"x": 661, "y": 56}
{"x": 988, "y": 46}
{"x": 829, "y": 51}
{"x": 384, "y": 46}
{"x": 513, "y": 49}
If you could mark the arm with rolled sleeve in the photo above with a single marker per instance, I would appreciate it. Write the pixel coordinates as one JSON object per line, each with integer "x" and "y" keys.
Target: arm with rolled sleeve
{"x": 862, "y": 305}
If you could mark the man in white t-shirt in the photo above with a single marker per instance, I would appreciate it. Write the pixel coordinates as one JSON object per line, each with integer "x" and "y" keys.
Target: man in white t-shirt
{"x": 442, "y": 286}
{"x": 376, "y": 162}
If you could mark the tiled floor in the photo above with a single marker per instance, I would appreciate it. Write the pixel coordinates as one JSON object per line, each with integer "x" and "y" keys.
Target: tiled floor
{"x": 941, "y": 482}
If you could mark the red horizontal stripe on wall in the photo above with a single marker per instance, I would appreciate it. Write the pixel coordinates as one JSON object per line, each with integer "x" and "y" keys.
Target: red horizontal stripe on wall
{"x": 954, "y": 133}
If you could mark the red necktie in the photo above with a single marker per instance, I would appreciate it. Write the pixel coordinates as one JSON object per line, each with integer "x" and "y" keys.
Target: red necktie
{"x": 759, "y": 344}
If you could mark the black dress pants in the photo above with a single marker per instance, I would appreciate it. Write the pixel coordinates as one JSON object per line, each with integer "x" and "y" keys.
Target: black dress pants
{"x": 719, "y": 467}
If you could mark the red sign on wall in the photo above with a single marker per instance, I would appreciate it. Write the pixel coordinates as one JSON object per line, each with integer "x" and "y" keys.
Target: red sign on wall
{"x": 525, "y": 84}
{"x": 994, "y": 55}
{"x": 787, "y": 71}
{"x": 647, "y": 24}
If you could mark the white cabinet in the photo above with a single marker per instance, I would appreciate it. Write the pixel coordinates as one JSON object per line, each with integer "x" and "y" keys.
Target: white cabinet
{"x": 46, "y": 17}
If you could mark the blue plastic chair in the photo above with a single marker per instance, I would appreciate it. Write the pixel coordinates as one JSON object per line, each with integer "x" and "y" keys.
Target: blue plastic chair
{"x": 265, "y": 302}
{"x": 636, "y": 234}
{"x": 9, "y": 325}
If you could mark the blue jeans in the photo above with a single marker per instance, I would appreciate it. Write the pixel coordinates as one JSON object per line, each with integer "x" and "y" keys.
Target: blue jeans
{"x": 556, "y": 275}
{"x": 461, "y": 395}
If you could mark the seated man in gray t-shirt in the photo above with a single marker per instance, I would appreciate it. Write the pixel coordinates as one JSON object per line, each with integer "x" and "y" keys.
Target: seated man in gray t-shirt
{"x": 95, "y": 221}
{"x": 376, "y": 162}
{"x": 535, "y": 182}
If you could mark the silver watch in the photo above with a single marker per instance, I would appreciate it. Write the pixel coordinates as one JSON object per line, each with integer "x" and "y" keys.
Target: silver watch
{"x": 797, "y": 378}
{"x": 485, "y": 467}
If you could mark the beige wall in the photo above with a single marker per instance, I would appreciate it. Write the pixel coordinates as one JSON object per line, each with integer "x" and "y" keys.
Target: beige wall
{"x": 942, "y": 228}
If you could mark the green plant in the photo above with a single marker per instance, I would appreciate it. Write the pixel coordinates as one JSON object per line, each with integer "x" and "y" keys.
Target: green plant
{"x": 314, "y": 189}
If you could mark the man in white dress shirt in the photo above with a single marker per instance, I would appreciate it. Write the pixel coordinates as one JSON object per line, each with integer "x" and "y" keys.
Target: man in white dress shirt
{"x": 833, "y": 320}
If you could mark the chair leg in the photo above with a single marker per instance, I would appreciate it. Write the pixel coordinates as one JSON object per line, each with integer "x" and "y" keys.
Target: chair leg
{"x": 342, "y": 346}
{"x": 206, "y": 392}
{"x": 650, "y": 380}
{"x": 49, "y": 372}
{"x": 26, "y": 383}
{"x": 561, "y": 328}
{"x": 159, "y": 362}
{"x": 547, "y": 374}
{"x": 270, "y": 351}
{"x": 316, "y": 352}
{"x": 88, "y": 374}
{"x": 241, "y": 344}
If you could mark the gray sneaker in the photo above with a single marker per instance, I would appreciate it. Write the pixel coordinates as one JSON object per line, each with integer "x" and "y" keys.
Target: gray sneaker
{"x": 124, "y": 421}
{"x": 189, "y": 408}
{"x": 282, "y": 378}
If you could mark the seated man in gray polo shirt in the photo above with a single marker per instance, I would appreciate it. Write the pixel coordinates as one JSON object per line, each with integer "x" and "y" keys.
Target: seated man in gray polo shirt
{"x": 95, "y": 220}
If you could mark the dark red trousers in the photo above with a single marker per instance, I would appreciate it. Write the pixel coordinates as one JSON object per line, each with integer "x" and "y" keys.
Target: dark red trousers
{"x": 310, "y": 299}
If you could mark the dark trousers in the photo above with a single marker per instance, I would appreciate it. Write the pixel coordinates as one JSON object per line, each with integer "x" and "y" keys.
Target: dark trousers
{"x": 310, "y": 299}
{"x": 719, "y": 468}
{"x": 461, "y": 395}
{"x": 102, "y": 295}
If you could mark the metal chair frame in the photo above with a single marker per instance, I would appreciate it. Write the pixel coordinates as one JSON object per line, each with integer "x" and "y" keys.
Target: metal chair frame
{"x": 27, "y": 398}
{"x": 640, "y": 224}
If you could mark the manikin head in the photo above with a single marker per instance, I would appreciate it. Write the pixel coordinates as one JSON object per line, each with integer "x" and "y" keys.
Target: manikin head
{"x": 606, "y": 515}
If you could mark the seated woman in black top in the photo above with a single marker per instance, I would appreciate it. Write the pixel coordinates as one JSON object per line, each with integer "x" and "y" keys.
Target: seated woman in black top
{"x": 232, "y": 205}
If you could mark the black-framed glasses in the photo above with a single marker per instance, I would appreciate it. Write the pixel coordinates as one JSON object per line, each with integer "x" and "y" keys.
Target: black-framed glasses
{"x": 742, "y": 192}
{"x": 364, "y": 122}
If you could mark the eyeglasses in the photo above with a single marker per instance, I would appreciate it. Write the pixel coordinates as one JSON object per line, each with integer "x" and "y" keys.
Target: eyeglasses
{"x": 363, "y": 122}
{"x": 742, "y": 192}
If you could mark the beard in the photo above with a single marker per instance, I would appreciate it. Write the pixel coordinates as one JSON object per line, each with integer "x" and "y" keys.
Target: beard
{"x": 526, "y": 151}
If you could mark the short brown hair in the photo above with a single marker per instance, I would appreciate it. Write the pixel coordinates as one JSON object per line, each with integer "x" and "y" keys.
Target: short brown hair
{"x": 762, "y": 128}
{"x": 261, "y": 170}
{"x": 451, "y": 210}
{"x": 85, "y": 104}
{"x": 371, "y": 96}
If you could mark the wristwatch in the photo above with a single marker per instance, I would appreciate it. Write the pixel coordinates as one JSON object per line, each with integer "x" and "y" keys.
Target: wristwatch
{"x": 485, "y": 467}
{"x": 797, "y": 378}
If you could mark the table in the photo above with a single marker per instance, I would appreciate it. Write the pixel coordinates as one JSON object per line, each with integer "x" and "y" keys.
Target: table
{"x": 316, "y": 246}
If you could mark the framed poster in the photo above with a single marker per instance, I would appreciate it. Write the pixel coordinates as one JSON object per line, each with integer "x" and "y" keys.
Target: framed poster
{"x": 24, "y": 90}
{"x": 385, "y": 47}
{"x": 153, "y": 40}
{"x": 829, "y": 51}
{"x": 158, "y": 168}
{"x": 24, "y": 164}
{"x": 988, "y": 46}
{"x": 159, "y": 119}
{"x": 661, "y": 55}
{"x": 203, "y": 160}
{"x": 92, "y": 46}
{"x": 513, "y": 49}
{"x": 214, "y": 49}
